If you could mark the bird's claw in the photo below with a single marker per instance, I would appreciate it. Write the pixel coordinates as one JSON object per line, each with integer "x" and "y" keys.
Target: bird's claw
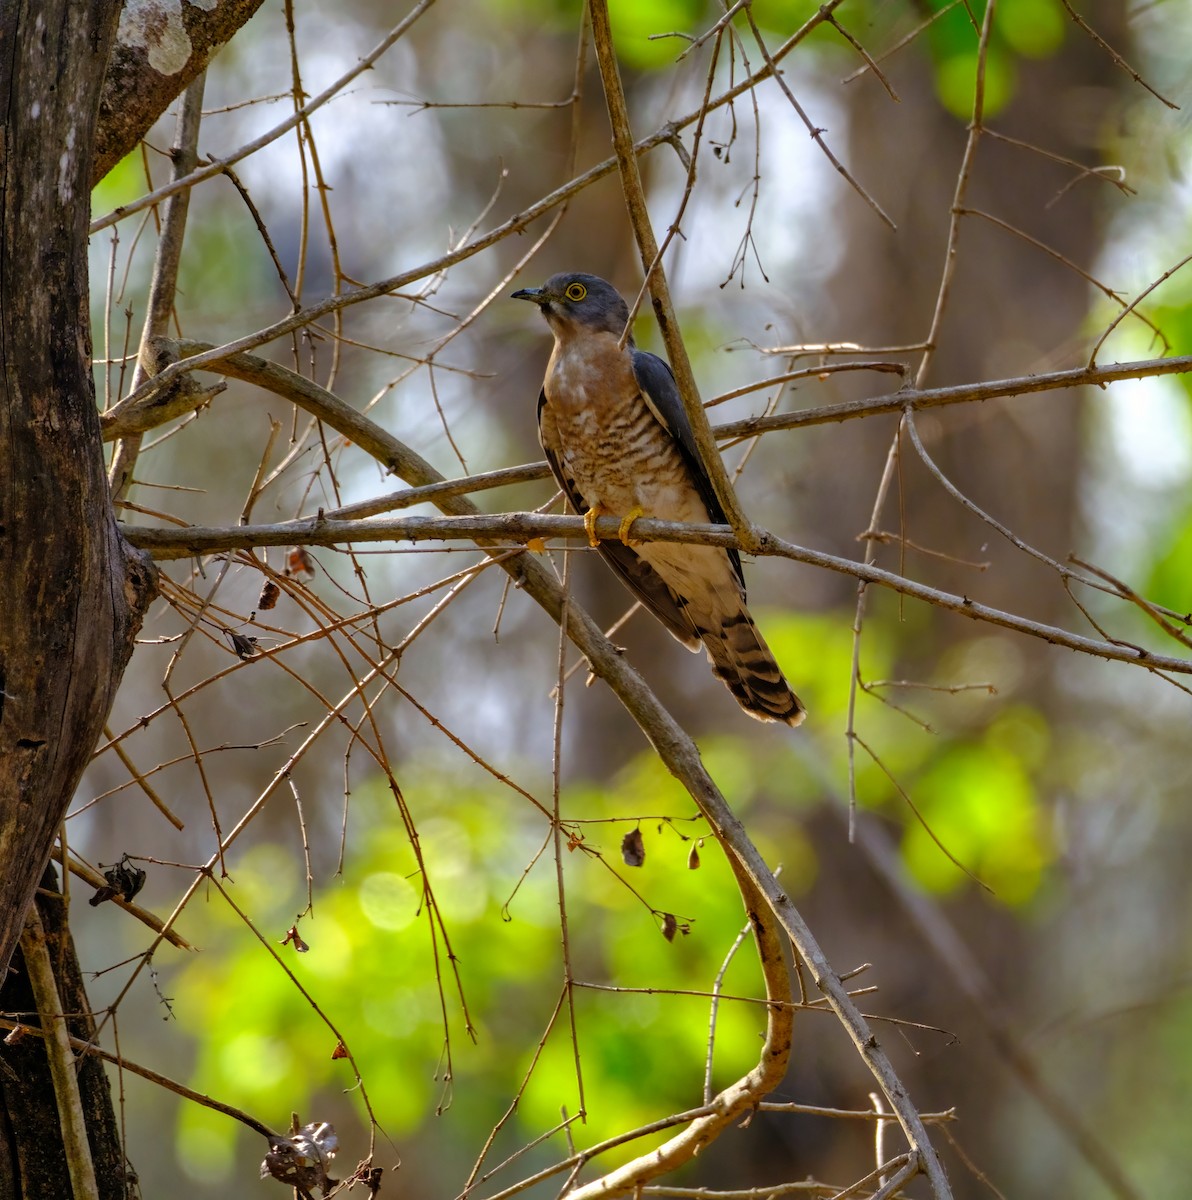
{"x": 590, "y": 518}
{"x": 626, "y": 522}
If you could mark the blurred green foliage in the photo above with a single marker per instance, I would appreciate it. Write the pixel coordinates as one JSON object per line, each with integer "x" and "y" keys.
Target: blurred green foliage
{"x": 124, "y": 183}
{"x": 1029, "y": 29}
{"x": 651, "y": 34}
{"x": 380, "y": 967}
{"x": 1169, "y": 570}
{"x": 373, "y": 960}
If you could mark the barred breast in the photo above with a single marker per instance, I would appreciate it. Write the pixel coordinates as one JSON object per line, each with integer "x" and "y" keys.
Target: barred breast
{"x": 615, "y": 454}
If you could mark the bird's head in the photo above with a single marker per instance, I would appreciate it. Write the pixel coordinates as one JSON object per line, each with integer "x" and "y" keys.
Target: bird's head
{"x": 573, "y": 303}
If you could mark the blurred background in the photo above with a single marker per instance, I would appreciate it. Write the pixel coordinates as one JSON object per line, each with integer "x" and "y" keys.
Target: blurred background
{"x": 1048, "y": 1003}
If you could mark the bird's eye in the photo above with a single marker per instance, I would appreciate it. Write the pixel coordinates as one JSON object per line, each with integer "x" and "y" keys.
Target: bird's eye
{"x": 576, "y": 291}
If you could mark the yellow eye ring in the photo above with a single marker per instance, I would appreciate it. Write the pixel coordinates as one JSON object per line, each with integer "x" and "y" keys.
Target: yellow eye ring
{"x": 575, "y": 291}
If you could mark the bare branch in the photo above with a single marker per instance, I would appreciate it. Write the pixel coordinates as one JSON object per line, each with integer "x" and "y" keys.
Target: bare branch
{"x": 217, "y": 166}
{"x": 40, "y": 969}
{"x": 500, "y": 530}
{"x": 664, "y": 311}
{"x": 171, "y": 1085}
{"x": 1117, "y": 58}
{"x": 964, "y": 393}
{"x": 143, "y": 77}
{"x": 460, "y": 253}
{"x": 164, "y": 283}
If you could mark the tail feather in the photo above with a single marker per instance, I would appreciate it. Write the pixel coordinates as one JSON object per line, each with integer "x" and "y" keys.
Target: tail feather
{"x": 742, "y": 660}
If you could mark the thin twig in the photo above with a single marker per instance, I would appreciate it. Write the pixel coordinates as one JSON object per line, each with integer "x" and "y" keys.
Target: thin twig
{"x": 464, "y": 250}
{"x": 817, "y": 134}
{"x": 1134, "y": 304}
{"x": 166, "y": 265}
{"x": 39, "y": 969}
{"x": 1117, "y": 58}
{"x": 171, "y": 1085}
{"x": 635, "y": 200}
{"x": 496, "y": 532}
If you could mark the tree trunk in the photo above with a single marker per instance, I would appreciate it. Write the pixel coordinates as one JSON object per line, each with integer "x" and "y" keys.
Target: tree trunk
{"x": 71, "y": 592}
{"x": 157, "y": 54}
{"x": 33, "y": 1162}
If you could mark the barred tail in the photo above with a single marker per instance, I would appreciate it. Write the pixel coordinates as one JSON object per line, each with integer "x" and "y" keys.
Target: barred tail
{"x": 740, "y": 657}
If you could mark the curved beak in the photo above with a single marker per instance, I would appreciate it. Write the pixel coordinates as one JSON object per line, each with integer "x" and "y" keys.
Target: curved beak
{"x": 534, "y": 295}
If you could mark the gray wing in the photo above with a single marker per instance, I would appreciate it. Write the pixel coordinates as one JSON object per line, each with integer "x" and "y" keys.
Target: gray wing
{"x": 637, "y": 575}
{"x": 662, "y": 394}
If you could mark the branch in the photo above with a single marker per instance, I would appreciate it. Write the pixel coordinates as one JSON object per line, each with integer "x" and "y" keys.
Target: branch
{"x": 744, "y": 1095}
{"x": 514, "y": 224}
{"x": 92, "y": 877}
{"x": 502, "y": 529}
{"x": 655, "y": 275}
{"x": 85, "y": 1047}
{"x": 71, "y": 1118}
{"x": 674, "y": 747}
{"x": 164, "y": 284}
{"x": 964, "y": 393}
{"x": 158, "y": 51}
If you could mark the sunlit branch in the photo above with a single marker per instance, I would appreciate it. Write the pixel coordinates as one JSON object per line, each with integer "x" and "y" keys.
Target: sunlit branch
{"x": 655, "y": 273}
{"x": 514, "y": 224}
{"x": 217, "y": 166}
{"x": 518, "y": 528}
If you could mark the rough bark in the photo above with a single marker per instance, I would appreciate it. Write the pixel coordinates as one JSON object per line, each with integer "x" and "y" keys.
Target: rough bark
{"x": 160, "y": 47}
{"x": 32, "y": 1164}
{"x": 71, "y": 592}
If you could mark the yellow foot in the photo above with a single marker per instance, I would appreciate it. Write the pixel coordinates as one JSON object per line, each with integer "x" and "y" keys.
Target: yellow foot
{"x": 590, "y": 518}
{"x": 626, "y": 521}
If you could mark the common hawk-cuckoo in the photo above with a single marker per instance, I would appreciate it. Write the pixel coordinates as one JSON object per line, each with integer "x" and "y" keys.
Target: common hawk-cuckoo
{"x": 618, "y": 440}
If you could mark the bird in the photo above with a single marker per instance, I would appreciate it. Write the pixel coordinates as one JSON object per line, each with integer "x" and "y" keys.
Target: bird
{"x": 618, "y": 440}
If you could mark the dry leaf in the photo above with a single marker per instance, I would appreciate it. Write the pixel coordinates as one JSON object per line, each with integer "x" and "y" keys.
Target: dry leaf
{"x": 299, "y": 564}
{"x": 292, "y": 936}
{"x": 633, "y": 849}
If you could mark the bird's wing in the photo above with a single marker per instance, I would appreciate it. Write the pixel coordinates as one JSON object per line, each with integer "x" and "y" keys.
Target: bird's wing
{"x": 637, "y": 574}
{"x": 661, "y": 393}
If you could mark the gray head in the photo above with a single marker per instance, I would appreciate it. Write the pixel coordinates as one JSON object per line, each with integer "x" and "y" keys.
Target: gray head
{"x": 573, "y": 302}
